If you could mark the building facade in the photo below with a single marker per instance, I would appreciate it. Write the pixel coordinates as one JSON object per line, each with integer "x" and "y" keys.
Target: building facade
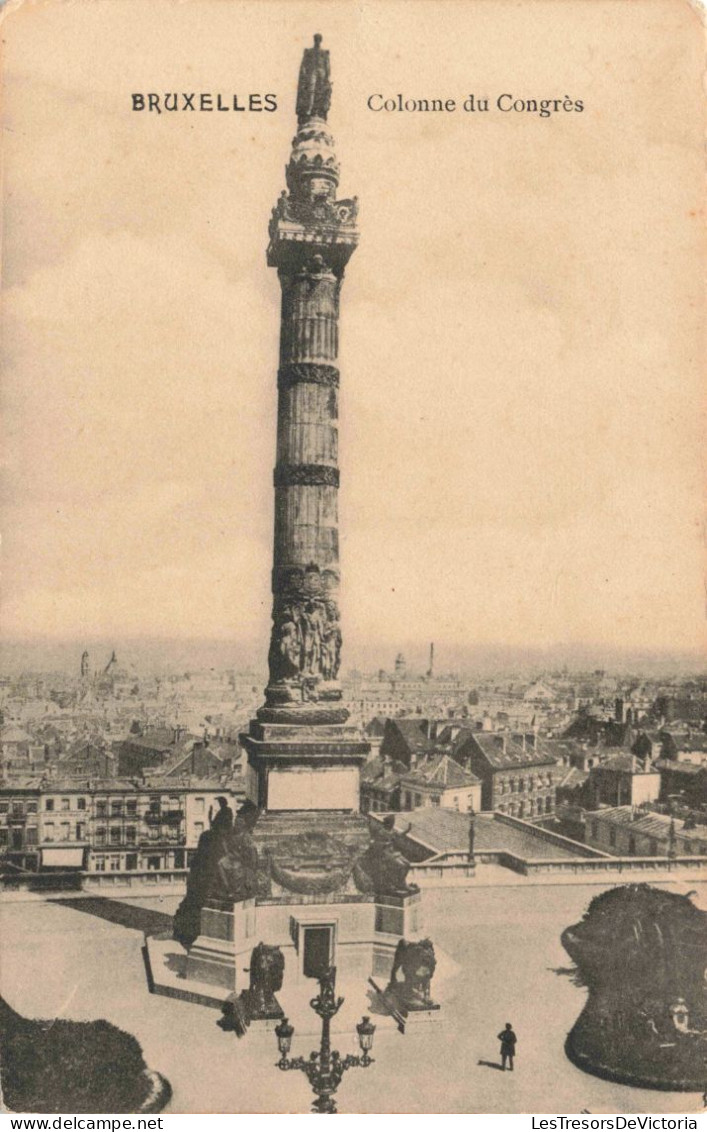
{"x": 19, "y": 826}
{"x": 623, "y": 780}
{"x": 112, "y": 825}
{"x": 517, "y": 776}
{"x": 440, "y": 781}
{"x": 625, "y": 831}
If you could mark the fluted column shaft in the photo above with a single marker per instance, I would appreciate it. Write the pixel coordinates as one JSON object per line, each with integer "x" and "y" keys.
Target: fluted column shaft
{"x": 306, "y": 633}
{"x": 306, "y": 476}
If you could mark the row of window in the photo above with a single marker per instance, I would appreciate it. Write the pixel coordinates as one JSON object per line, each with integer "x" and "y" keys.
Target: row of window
{"x": 375, "y": 806}
{"x": 156, "y": 805}
{"x": 115, "y": 834}
{"x": 19, "y": 808}
{"x": 18, "y": 840}
{"x": 113, "y": 863}
{"x": 681, "y": 847}
{"x": 64, "y": 804}
{"x": 533, "y": 807}
{"x": 520, "y": 785}
{"x": 413, "y": 801}
{"x": 67, "y": 831}
{"x": 63, "y": 831}
{"x": 116, "y": 807}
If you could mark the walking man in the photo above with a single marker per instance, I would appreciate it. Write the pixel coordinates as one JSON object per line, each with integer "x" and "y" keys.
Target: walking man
{"x": 508, "y": 1046}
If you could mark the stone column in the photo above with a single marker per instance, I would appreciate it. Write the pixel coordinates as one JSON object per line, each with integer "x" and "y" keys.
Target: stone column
{"x": 312, "y": 236}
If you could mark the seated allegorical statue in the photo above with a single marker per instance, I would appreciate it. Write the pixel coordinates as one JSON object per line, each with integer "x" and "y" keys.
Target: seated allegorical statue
{"x": 383, "y": 869}
{"x": 224, "y": 867}
{"x": 235, "y": 871}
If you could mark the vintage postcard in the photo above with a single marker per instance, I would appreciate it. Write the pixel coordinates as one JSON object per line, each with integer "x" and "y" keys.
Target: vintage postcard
{"x": 353, "y": 690}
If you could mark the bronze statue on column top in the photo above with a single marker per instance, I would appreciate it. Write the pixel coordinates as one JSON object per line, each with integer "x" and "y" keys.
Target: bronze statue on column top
{"x": 314, "y": 87}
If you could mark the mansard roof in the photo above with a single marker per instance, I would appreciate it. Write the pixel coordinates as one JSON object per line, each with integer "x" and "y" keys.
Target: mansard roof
{"x": 383, "y": 774}
{"x": 502, "y": 752}
{"x": 443, "y": 771}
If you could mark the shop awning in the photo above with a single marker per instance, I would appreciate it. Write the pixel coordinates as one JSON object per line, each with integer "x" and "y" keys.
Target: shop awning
{"x": 63, "y": 858}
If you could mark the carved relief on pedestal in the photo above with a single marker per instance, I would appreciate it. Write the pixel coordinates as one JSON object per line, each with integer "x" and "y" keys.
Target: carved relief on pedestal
{"x": 311, "y": 862}
{"x": 305, "y": 644}
{"x": 331, "y": 642}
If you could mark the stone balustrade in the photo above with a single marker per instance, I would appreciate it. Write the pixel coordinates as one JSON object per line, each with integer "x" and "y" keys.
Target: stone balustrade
{"x": 449, "y": 867}
{"x": 445, "y": 868}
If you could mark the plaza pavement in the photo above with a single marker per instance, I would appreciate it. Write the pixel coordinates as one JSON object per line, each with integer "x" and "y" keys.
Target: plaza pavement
{"x": 499, "y": 952}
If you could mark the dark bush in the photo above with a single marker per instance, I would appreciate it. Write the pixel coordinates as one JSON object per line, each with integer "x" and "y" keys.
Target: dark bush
{"x": 639, "y": 950}
{"x": 61, "y": 1066}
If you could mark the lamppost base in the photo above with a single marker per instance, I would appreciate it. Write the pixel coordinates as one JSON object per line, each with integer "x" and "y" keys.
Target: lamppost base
{"x": 324, "y": 1105}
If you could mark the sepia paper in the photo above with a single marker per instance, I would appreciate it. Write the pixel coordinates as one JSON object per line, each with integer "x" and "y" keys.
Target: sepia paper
{"x": 521, "y": 428}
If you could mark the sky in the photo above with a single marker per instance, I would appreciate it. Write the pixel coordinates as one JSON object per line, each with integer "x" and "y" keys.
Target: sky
{"x": 522, "y": 341}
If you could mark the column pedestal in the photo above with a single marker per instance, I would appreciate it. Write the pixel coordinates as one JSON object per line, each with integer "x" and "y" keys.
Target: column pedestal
{"x": 224, "y": 945}
{"x": 305, "y": 768}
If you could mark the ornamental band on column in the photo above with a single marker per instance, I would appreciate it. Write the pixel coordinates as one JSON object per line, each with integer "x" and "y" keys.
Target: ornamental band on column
{"x": 312, "y": 236}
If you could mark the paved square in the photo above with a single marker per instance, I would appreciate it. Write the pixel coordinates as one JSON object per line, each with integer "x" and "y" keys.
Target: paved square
{"x": 500, "y": 950}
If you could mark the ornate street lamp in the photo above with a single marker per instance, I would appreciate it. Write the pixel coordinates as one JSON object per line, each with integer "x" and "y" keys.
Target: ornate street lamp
{"x": 325, "y": 1068}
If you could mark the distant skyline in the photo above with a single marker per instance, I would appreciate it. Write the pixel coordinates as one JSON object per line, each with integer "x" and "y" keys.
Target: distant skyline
{"x": 182, "y": 655}
{"x": 521, "y": 354}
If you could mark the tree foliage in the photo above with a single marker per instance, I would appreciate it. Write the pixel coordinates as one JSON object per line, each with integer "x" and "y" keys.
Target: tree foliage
{"x": 639, "y": 950}
{"x": 61, "y": 1066}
